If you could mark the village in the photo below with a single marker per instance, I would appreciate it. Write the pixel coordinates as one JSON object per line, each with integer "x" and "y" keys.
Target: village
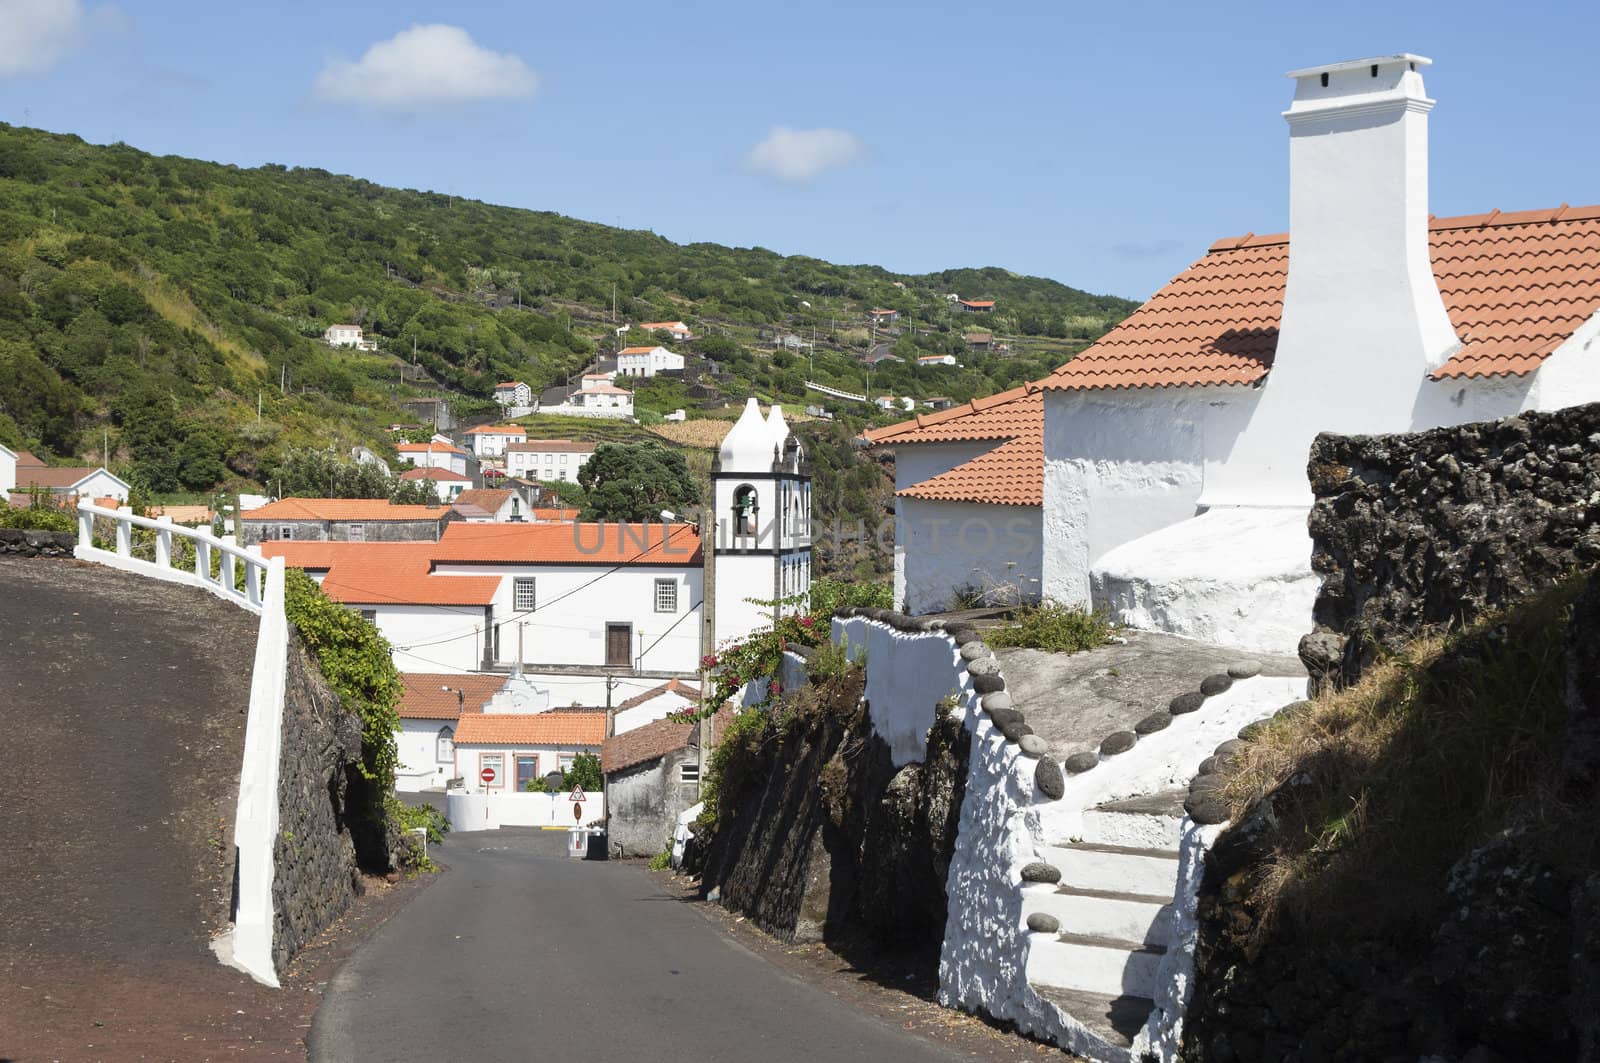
{"x": 1040, "y": 757}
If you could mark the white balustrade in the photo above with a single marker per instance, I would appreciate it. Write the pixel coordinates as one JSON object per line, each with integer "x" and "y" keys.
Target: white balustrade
{"x": 255, "y": 584}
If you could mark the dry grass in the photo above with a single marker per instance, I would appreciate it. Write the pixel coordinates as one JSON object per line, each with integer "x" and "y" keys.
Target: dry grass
{"x": 1378, "y": 789}
{"x": 702, "y": 433}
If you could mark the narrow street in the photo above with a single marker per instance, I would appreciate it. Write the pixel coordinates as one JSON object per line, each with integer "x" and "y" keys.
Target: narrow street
{"x": 518, "y": 953}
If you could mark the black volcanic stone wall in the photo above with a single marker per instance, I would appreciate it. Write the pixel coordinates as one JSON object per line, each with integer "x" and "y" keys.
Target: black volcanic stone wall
{"x": 315, "y": 877}
{"x": 1420, "y": 532}
{"x": 19, "y": 542}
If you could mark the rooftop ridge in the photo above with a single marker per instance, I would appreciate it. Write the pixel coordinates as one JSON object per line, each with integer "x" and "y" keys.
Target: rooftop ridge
{"x": 1490, "y": 219}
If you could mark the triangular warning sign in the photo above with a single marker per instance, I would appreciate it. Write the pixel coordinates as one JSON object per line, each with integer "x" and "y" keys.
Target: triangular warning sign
{"x": 577, "y": 794}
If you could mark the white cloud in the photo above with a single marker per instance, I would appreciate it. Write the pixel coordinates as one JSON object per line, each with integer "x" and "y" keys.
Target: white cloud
{"x": 799, "y": 155}
{"x": 36, "y": 34}
{"x": 426, "y": 66}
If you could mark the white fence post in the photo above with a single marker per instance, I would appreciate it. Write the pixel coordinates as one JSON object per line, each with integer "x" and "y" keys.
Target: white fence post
{"x": 164, "y": 542}
{"x": 124, "y": 539}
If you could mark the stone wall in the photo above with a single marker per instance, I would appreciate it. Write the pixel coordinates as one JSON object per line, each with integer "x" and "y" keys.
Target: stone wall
{"x": 1422, "y": 531}
{"x": 823, "y": 838}
{"x": 18, "y": 542}
{"x": 315, "y": 865}
{"x": 645, "y": 802}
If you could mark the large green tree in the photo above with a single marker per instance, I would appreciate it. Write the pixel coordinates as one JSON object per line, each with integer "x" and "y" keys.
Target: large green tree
{"x": 635, "y": 482}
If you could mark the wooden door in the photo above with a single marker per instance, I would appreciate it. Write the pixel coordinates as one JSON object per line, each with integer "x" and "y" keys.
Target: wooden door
{"x": 619, "y": 645}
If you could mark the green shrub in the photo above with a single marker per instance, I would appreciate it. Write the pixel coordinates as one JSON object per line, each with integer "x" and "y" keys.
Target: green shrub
{"x": 38, "y": 518}
{"x": 1055, "y": 627}
{"x": 427, "y": 816}
{"x": 661, "y": 861}
{"x": 829, "y": 595}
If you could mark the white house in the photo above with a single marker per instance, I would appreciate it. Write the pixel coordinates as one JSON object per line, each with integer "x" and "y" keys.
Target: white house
{"x": 498, "y": 753}
{"x": 431, "y": 704}
{"x": 491, "y": 440}
{"x": 647, "y": 361}
{"x": 599, "y": 400}
{"x": 348, "y": 336}
{"x": 513, "y": 393}
{"x": 445, "y": 483}
{"x": 936, "y": 359}
{"x": 433, "y": 454}
{"x": 491, "y": 505}
{"x": 1174, "y": 489}
{"x": 548, "y": 459}
{"x": 22, "y": 472}
{"x": 677, "y": 329}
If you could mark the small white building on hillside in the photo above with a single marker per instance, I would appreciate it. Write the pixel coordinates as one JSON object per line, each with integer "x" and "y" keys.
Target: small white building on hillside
{"x": 491, "y": 505}
{"x": 21, "y": 473}
{"x": 647, "y": 361}
{"x": 676, "y": 329}
{"x": 513, "y": 393}
{"x": 446, "y": 484}
{"x": 491, "y": 440}
{"x": 348, "y": 336}
{"x": 433, "y": 454}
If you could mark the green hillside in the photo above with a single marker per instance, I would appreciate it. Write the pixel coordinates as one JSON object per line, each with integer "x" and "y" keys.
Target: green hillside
{"x": 165, "y": 315}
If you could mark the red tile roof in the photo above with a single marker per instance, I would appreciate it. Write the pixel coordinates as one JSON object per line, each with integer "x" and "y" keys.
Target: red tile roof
{"x": 1001, "y": 416}
{"x": 489, "y": 499}
{"x": 664, "y": 324}
{"x": 428, "y": 448}
{"x": 509, "y": 384}
{"x": 424, "y": 696}
{"x": 555, "y": 446}
{"x": 1515, "y": 286}
{"x": 497, "y": 429}
{"x": 636, "y": 350}
{"x": 568, "y": 544}
{"x": 431, "y": 472}
{"x": 566, "y": 516}
{"x": 1011, "y": 474}
{"x": 977, "y": 302}
{"x": 532, "y": 729}
{"x": 654, "y": 740}
{"x": 57, "y": 476}
{"x": 671, "y": 686}
{"x": 371, "y": 510}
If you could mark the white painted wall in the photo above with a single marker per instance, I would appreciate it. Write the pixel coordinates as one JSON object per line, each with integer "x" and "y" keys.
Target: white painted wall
{"x": 431, "y": 638}
{"x": 418, "y": 768}
{"x": 919, "y": 671}
{"x": 546, "y": 464}
{"x": 469, "y": 762}
{"x": 493, "y": 444}
{"x": 657, "y": 708}
{"x": 648, "y": 363}
{"x": 477, "y": 811}
{"x": 942, "y": 546}
{"x": 1121, "y": 464}
{"x": 572, "y": 631}
{"x": 8, "y": 470}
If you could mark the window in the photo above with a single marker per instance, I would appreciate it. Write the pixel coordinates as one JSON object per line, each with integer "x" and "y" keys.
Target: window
{"x": 358, "y": 533}
{"x": 689, "y": 772}
{"x": 491, "y": 771}
{"x": 527, "y": 770}
{"x": 444, "y": 746}
{"x": 523, "y": 598}
{"x": 370, "y": 616}
{"x": 286, "y": 531}
{"x": 666, "y": 596}
{"x": 566, "y": 762}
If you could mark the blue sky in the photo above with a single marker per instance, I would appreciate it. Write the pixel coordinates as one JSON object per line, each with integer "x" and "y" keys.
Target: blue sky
{"x": 1105, "y": 146}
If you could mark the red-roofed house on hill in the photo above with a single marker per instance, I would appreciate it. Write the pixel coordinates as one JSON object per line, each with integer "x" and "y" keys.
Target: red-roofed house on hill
{"x": 676, "y": 329}
{"x": 490, "y": 440}
{"x": 1174, "y": 448}
{"x": 975, "y": 306}
{"x": 21, "y": 473}
{"x": 437, "y": 455}
{"x": 513, "y": 393}
{"x": 446, "y": 484}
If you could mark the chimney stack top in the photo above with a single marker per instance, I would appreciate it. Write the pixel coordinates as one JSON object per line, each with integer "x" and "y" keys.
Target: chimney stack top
{"x": 1376, "y": 85}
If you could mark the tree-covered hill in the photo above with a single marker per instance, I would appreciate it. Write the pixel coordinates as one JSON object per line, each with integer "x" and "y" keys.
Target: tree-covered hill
{"x": 165, "y": 315}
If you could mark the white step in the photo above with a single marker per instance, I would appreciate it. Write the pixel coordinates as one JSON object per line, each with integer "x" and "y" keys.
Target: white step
{"x": 1120, "y": 915}
{"x": 1094, "y": 965}
{"x": 1151, "y": 821}
{"x": 1114, "y": 867}
{"x": 1111, "y": 1021}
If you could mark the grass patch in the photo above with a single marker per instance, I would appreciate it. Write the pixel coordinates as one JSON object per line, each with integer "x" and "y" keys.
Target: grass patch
{"x": 1054, "y": 627}
{"x": 1378, "y": 789}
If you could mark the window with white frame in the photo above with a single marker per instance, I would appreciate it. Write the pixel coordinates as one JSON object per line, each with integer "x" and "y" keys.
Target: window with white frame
{"x": 286, "y": 531}
{"x": 689, "y": 771}
{"x": 666, "y": 596}
{"x": 358, "y": 533}
{"x": 444, "y": 746}
{"x": 523, "y": 599}
{"x": 369, "y": 615}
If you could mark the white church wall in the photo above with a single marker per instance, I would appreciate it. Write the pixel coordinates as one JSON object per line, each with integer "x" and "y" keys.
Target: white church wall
{"x": 941, "y": 547}
{"x": 416, "y": 749}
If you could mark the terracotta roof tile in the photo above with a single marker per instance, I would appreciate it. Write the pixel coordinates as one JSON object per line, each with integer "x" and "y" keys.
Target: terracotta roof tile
{"x": 51, "y": 476}
{"x": 497, "y": 429}
{"x": 1515, "y": 286}
{"x": 430, "y": 472}
{"x": 568, "y": 544}
{"x": 1001, "y": 416}
{"x": 428, "y": 448}
{"x": 653, "y": 740}
{"x": 489, "y": 499}
{"x": 384, "y": 573}
{"x": 532, "y": 729}
{"x": 671, "y": 686}
{"x": 369, "y": 510}
{"x": 423, "y": 696}
{"x": 565, "y": 516}
{"x": 567, "y": 446}
{"x": 1011, "y": 474}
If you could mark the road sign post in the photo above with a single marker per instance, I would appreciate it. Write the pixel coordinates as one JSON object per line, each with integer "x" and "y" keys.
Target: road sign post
{"x": 488, "y": 775}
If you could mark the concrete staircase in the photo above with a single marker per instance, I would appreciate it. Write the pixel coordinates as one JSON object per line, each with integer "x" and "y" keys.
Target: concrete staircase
{"x": 1099, "y": 934}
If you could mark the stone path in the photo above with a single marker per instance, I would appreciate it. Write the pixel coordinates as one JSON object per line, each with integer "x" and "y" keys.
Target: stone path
{"x": 1074, "y": 700}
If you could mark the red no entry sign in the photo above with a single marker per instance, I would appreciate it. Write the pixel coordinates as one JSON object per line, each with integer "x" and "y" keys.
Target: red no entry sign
{"x": 487, "y": 775}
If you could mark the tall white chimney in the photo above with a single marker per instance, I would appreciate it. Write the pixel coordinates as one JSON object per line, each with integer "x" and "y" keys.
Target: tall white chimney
{"x": 1362, "y": 322}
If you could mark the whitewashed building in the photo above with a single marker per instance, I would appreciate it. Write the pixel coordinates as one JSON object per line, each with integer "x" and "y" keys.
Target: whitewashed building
{"x": 647, "y": 361}
{"x": 348, "y": 336}
{"x": 491, "y": 440}
{"x": 676, "y": 329}
{"x": 548, "y": 459}
{"x": 445, "y": 483}
{"x": 21, "y": 473}
{"x": 433, "y": 454}
{"x": 513, "y": 393}
{"x": 491, "y": 505}
{"x": 431, "y": 704}
{"x": 1174, "y": 485}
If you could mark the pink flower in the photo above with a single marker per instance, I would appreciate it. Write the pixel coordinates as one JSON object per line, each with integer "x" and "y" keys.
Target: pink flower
{"x": 806, "y": 621}
{"x": 708, "y": 661}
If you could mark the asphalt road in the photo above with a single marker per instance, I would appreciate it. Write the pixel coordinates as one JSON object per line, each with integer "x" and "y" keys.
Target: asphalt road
{"x": 519, "y": 953}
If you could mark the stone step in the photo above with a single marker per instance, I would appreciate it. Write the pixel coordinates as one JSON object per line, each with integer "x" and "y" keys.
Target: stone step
{"x": 1114, "y": 1019}
{"x": 1128, "y": 869}
{"x": 1149, "y": 821}
{"x": 1094, "y": 964}
{"x": 1138, "y": 917}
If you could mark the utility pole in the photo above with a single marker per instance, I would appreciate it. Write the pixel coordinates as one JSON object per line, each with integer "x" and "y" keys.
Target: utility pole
{"x": 613, "y": 302}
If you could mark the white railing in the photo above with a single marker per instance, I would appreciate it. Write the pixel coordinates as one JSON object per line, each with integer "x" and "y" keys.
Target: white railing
{"x": 239, "y": 570}
{"x": 250, "y": 581}
{"x": 835, "y": 392}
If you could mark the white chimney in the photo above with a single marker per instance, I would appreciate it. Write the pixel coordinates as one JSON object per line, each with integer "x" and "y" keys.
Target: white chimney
{"x": 1362, "y": 321}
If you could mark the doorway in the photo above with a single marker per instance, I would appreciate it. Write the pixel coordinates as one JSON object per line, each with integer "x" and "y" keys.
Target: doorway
{"x": 619, "y": 645}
